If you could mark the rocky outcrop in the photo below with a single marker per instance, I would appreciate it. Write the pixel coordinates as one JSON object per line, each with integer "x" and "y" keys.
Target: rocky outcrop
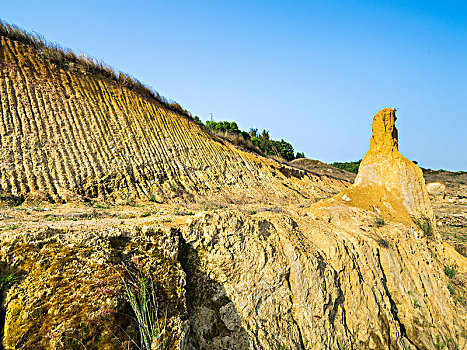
{"x": 323, "y": 278}
{"x": 364, "y": 269}
{"x": 70, "y": 291}
{"x": 388, "y": 183}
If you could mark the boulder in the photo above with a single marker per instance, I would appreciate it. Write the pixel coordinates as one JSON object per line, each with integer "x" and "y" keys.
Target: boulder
{"x": 436, "y": 190}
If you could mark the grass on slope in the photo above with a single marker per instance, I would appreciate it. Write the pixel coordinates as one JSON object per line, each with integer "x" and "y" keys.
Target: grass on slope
{"x": 68, "y": 60}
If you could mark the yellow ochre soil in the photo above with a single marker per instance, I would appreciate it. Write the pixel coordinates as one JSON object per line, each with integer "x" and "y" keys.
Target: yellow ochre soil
{"x": 98, "y": 182}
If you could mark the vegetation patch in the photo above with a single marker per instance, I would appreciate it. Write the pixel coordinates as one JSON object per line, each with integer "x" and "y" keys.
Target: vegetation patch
{"x": 426, "y": 227}
{"x": 252, "y": 140}
{"x": 348, "y": 166}
{"x": 184, "y": 213}
{"x": 7, "y": 281}
{"x": 10, "y": 200}
{"x": 10, "y": 227}
{"x": 140, "y": 293}
{"x": 450, "y": 271}
{"x": 379, "y": 221}
{"x": 152, "y": 197}
{"x": 383, "y": 243}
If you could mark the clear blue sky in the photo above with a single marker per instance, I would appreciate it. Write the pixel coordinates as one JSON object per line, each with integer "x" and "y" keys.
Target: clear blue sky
{"x": 311, "y": 72}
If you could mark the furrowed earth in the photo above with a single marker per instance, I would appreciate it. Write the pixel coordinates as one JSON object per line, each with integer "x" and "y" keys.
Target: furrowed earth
{"x": 100, "y": 185}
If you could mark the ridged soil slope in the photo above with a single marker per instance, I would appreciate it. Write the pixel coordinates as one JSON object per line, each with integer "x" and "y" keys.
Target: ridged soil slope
{"x": 63, "y": 130}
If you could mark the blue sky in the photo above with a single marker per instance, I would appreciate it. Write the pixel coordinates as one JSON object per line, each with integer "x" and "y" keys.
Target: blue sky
{"x": 311, "y": 72}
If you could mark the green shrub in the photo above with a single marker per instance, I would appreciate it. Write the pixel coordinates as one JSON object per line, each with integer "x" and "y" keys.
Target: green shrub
{"x": 283, "y": 149}
{"x": 379, "y": 221}
{"x": 198, "y": 120}
{"x": 450, "y": 271}
{"x": 184, "y": 213}
{"x": 231, "y": 127}
{"x": 383, "y": 242}
{"x": 439, "y": 344}
{"x": 146, "y": 214}
{"x": 425, "y": 226}
{"x": 451, "y": 290}
{"x": 10, "y": 227}
{"x": 300, "y": 155}
{"x": 10, "y": 200}
{"x": 7, "y": 281}
{"x": 252, "y": 139}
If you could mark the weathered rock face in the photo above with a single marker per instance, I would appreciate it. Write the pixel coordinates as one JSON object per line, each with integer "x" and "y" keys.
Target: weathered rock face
{"x": 70, "y": 292}
{"x": 313, "y": 284}
{"x": 305, "y": 275}
{"x": 388, "y": 183}
{"x": 322, "y": 278}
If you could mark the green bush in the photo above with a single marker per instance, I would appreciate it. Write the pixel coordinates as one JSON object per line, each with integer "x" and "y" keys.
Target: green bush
{"x": 197, "y": 120}
{"x": 450, "y": 271}
{"x": 261, "y": 140}
{"x": 451, "y": 290}
{"x": 284, "y": 149}
{"x": 439, "y": 344}
{"x": 231, "y": 127}
{"x": 10, "y": 200}
{"x": 383, "y": 243}
{"x": 425, "y": 226}
{"x": 7, "y": 281}
{"x": 300, "y": 155}
{"x": 379, "y": 221}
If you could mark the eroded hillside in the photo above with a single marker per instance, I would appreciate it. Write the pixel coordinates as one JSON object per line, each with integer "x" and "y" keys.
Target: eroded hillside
{"x": 242, "y": 252}
{"x": 69, "y": 131}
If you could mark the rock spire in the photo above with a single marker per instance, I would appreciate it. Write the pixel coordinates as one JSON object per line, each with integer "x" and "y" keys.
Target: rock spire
{"x": 387, "y": 182}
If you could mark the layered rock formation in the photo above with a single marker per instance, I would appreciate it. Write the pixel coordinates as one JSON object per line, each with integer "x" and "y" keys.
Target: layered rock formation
{"x": 269, "y": 269}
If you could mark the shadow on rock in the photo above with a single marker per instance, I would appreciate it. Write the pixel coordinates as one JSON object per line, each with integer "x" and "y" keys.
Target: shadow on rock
{"x": 212, "y": 319}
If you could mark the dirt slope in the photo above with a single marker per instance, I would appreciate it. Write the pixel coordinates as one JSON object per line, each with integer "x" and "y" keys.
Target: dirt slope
{"x": 70, "y": 131}
{"x": 320, "y": 168}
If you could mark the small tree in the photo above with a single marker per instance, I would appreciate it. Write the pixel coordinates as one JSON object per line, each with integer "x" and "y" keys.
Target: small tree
{"x": 300, "y": 155}
{"x": 197, "y": 120}
{"x": 253, "y": 132}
